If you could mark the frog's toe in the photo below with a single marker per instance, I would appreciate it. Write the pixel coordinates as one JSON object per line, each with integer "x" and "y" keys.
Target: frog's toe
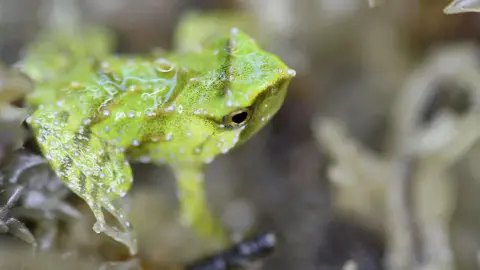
{"x": 99, "y": 226}
{"x": 125, "y": 237}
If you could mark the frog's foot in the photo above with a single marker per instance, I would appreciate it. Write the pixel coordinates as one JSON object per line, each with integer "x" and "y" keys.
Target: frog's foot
{"x": 195, "y": 214}
{"x": 126, "y": 237}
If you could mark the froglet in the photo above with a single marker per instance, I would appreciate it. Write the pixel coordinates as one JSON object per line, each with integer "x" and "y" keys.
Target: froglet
{"x": 94, "y": 112}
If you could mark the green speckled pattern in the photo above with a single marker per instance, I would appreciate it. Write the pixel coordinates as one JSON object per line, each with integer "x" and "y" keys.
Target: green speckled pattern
{"x": 95, "y": 112}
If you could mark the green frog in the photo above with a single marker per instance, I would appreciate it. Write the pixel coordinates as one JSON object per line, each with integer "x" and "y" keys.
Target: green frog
{"x": 94, "y": 112}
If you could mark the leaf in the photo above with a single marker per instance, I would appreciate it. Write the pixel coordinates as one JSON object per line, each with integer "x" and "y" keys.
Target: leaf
{"x": 462, "y": 6}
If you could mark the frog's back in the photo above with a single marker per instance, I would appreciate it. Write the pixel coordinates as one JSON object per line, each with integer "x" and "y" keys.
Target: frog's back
{"x": 95, "y": 86}
{"x": 55, "y": 59}
{"x": 115, "y": 86}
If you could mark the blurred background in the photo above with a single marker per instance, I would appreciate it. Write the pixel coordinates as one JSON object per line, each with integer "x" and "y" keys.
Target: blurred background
{"x": 372, "y": 163}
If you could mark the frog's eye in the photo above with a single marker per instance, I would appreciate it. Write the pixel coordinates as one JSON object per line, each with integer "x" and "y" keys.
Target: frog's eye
{"x": 238, "y": 118}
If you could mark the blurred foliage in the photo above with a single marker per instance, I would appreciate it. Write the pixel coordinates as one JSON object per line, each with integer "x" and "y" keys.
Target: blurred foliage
{"x": 461, "y": 6}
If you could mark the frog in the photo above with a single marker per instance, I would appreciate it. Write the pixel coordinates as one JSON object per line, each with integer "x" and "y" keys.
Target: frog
{"x": 95, "y": 112}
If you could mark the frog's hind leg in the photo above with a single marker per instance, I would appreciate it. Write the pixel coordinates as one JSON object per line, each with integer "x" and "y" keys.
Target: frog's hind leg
{"x": 92, "y": 169}
{"x": 105, "y": 195}
{"x": 102, "y": 197}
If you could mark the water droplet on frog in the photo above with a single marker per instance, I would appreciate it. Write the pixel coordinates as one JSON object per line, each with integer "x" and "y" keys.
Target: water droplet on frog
{"x": 105, "y": 64}
{"x": 74, "y": 84}
{"x": 144, "y": 159}
{"x": 132, "y": 88}
{"x": 150, "y": 113}
{"x": 163, "y": 65}
{"x": 135, "y": 143}
{"x": 170, "y": 108}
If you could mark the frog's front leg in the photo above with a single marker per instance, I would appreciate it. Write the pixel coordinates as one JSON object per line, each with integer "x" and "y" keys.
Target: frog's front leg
{"x": 194, "y": 210}
{"x": 90, "y": 167}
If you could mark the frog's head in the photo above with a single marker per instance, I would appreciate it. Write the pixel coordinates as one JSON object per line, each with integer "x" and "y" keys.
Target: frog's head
{"x": 239, "y": 93}
{"x": 257, "y": 89}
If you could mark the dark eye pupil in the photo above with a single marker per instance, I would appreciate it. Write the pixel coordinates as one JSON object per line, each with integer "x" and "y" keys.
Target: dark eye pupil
{"x": 240, "y": 117}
